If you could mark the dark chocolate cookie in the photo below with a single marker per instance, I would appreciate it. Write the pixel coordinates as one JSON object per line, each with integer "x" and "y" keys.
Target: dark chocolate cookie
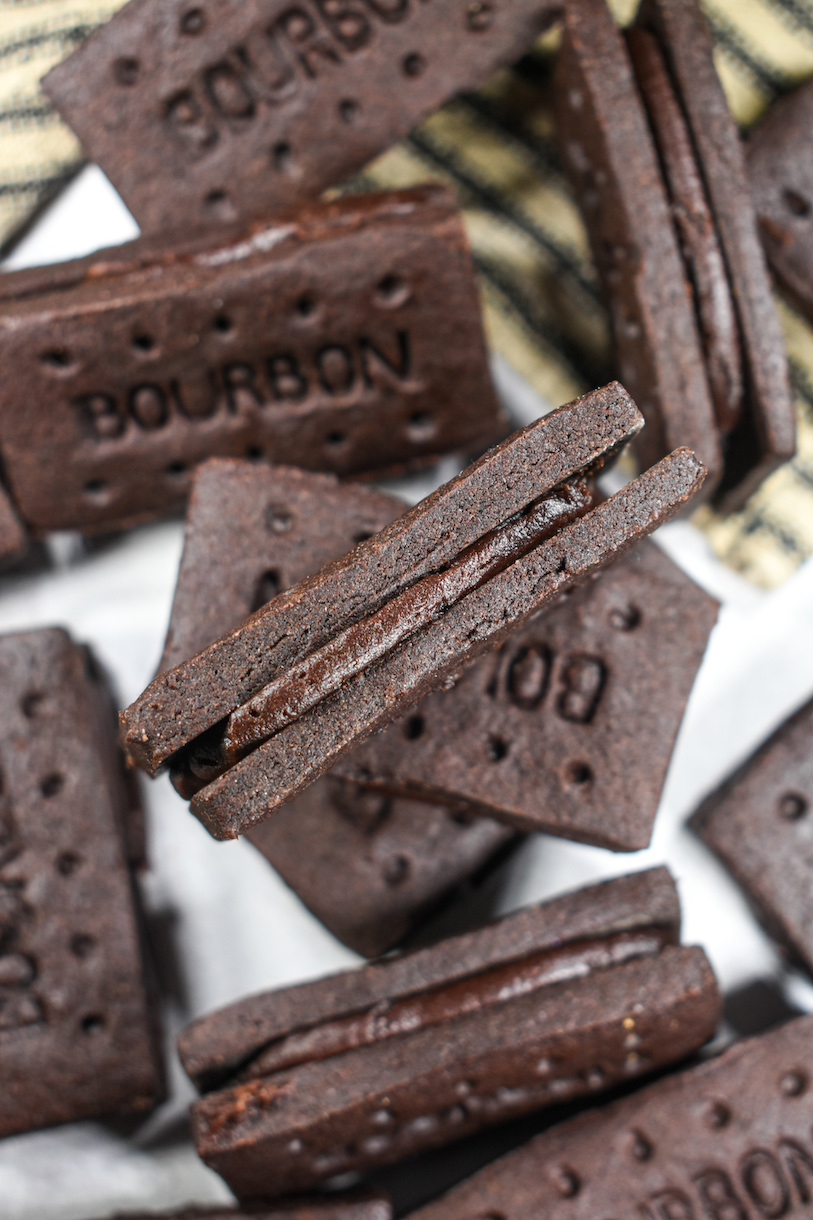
{"x": 78, "y": 1034}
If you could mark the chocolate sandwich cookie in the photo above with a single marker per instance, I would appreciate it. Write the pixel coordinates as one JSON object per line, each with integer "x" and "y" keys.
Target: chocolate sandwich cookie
{"x": 729, "y": 1140}
{"x": 364, "y": 1068}
{"x": 354, "y": 1206}
{"x": 369, "y": 866}
{"x": 256, "y": 717}
{"x": 577, "y": 714}
{"x": 78, "y": 1032}
{"x": 344, "y": 337}
{"x": 206, "y": 112}
{"x": 656, "y": 162}
{"x": 760, "y": 824}
{"x": 780, "y": 168}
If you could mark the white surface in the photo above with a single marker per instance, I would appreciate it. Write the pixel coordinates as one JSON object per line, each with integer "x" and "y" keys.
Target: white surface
{"x": 233, "y": 925}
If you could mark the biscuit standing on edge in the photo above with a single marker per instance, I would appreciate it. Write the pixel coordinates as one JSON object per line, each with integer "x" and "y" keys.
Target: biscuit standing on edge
{"x": 275, "y": 704}
{"x": 369, "y": 866}
{"x": 346, "y": 336}
{"x": 659, "y": 171}
{"x": 367, "y": 1067}
{"x": 729, "y": 1140}
{"x": 78, "y": 1026}
{"x": 760, "y": 824}
{"x": 202, "y": 113}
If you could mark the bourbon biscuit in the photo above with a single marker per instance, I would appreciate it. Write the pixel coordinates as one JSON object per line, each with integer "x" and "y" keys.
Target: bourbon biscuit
{"x": 760, "y": 824}
{"x": 729, "y": 1140}
{"x": 370, "y": 1066}
{"x": 208, "y": 113}
{"x": 78, "y": 1033}
{"x": 344, "y": 337}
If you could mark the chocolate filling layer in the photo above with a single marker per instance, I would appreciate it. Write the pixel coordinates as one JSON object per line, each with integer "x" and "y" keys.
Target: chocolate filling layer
{"x": 495, "y": 986}
{"x": 310, "y": 681}
{"x": 696, "y": 230}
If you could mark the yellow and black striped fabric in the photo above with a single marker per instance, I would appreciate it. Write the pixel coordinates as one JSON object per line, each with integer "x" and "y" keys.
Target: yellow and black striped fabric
{"x": 497, "y": 146}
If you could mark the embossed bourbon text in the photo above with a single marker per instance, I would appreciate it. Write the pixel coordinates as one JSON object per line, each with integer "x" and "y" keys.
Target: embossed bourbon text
{"x": 269, "y": 66}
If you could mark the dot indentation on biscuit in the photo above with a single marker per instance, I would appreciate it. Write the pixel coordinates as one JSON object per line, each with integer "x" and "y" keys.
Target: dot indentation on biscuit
{"x": 414, "y": 65}
{"x": 306, "y": 306}
{"x": 219, "y": 206}
{"x": 96, "y": 489}
{"x": 793, "y": 1084}
{"x": 497, "y": 749}
{"x": 349, "y": 110}
{"x": 392, "y": 290}
{"x": 143, "y": 343}
{"x": 67, "y": 863}
{"x": 126, "y": 71}
{"x": 278, "y": 520}
{"x": 82, "y": 946}
{"x": 282, "y": 158}
{"x": 31, "y": 704}
{"x": 579, "y": 774}
{"x": 716, "y": 1115}
{"x": 223, "y": 324}
{"x": 796, "y": 203}
{"x": 268, "y": 586}
{"x": 565, "y": 1181}
{"x": 396, "y": 870}
{"x": 57, "y": 360}
{"x": 335, "y": 440}
{"x": 792, "y": 806}
{"x": 625, "y": 618}
{"x": 52, "y": 784}
{"x": 480, "y": 15}
{"x": 177, "y": 470}
{"x": 193, "y": 21}
{"x": 414, "y": 728}
{"x": 92, "y": 1024}
{"x": 421, "y": 426}
{"x": 640, "y": 1147}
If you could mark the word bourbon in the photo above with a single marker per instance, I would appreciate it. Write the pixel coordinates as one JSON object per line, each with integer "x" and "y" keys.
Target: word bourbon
{"x": 271, "y": 62}
{"x": 768, "y": 1182}
{"x": 335, "y": 371}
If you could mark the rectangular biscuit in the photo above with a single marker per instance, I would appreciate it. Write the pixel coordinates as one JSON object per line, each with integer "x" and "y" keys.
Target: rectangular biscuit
{"x": 729, "y": 1140}
{"x": 569, "y": 728}
{"x": 759, "y": 824}
{"x": 346, "y": 337}
{"x": 202, "y": 114}
{"x": 371, "y": 1066}
{"x": 78, "y": 1034}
